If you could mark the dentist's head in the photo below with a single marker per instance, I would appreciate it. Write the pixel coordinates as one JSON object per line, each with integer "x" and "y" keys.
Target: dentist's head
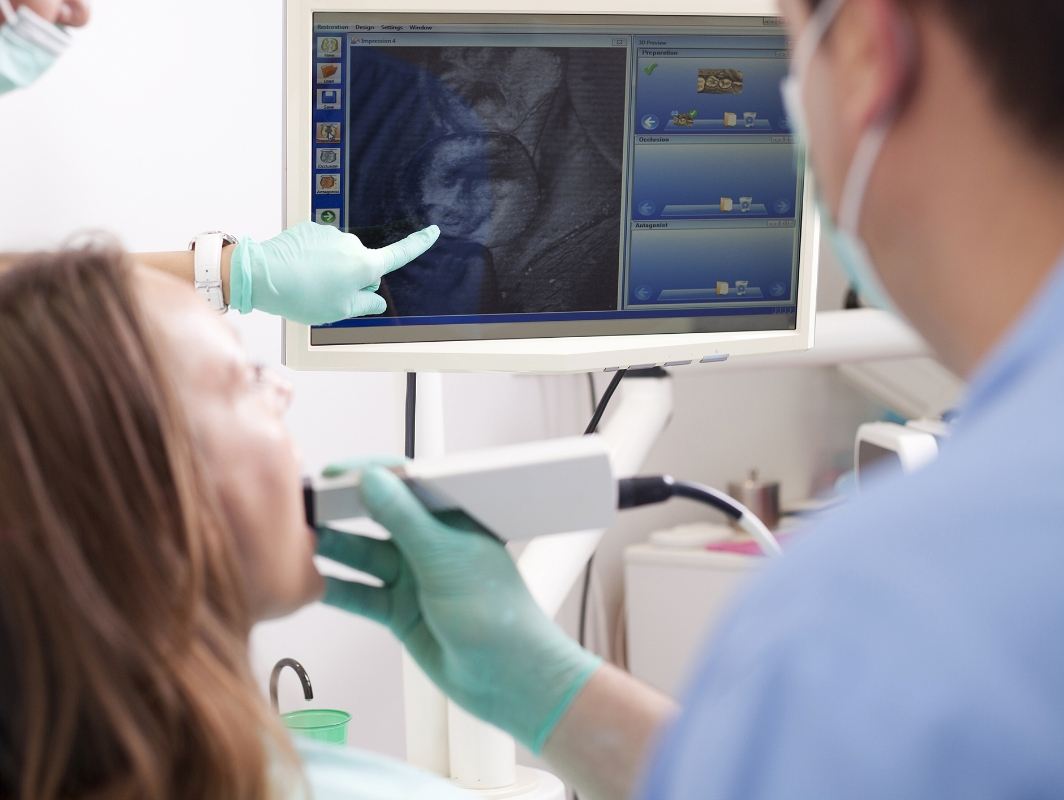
{"x": 33, "y": 35}
{"x": 936, "y": 134}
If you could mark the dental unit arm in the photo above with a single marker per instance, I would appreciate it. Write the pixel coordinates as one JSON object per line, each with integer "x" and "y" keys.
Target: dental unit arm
{"x": 520, "y": 492}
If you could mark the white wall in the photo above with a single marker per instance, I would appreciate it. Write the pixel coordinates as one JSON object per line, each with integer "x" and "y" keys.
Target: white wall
{"x": 165, "y": 120}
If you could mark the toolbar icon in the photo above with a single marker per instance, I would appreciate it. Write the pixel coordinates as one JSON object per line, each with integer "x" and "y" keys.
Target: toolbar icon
{"x": 328, "y": 47}
{"x": 328, "y": 158}
{"x": 327, "y": 184}
{"x": 328, "y": 132}
{"x": 328, "y": 73}
{"x": 328, "y": 99}
{"x": 328, "y": 216}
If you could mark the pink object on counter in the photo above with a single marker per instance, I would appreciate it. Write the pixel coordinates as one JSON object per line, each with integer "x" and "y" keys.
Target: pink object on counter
{"x": 743, "y": 547}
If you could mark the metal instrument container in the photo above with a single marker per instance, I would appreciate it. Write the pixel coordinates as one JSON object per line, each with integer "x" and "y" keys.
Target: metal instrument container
{"x": 761, "y": 497}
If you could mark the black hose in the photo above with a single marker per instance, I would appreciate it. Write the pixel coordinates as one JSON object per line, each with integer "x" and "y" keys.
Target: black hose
{"x": 411, "y": 416}
{"x": 596, "y": 418}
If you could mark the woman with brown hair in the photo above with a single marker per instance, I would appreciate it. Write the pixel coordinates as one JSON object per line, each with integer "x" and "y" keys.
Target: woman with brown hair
{"x": 150, "y": 514}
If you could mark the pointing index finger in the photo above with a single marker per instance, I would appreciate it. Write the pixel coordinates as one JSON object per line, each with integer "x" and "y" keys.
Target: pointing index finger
{"x": 406, "y": 250}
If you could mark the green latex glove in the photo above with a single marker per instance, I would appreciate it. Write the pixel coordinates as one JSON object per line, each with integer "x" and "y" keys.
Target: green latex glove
{"x": 315, "y": 274}
{"x": 453, "y": 596}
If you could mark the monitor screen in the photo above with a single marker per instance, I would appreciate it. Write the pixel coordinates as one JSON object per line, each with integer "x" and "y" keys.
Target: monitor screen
{"x": 590, "y": 175}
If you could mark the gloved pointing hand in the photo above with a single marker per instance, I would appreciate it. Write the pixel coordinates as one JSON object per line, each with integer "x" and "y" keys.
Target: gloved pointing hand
{"x": 315, "y": 274}
{"x": 453, "y": 596}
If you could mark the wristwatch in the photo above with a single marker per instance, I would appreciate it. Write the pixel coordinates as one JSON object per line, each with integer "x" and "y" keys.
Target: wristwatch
{"x": 207, "y": 247}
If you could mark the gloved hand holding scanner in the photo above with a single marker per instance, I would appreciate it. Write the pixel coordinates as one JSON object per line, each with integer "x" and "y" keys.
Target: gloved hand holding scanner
{"x": 455, "y": 599}
{"x": 453, "y": 596}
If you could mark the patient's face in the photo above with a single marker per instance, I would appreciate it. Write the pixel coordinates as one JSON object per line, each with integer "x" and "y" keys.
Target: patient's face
{"x": 237, "y": 421}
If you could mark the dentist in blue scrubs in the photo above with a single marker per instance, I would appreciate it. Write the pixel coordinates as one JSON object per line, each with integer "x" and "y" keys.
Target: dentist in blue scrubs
{"x": 912, "y": 645}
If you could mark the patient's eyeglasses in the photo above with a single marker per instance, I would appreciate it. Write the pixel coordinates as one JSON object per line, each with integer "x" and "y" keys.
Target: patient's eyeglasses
{"x": 271, "y": 383}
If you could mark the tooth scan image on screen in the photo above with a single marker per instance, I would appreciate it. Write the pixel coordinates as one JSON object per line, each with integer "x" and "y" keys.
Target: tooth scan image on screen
{"x": 590, "y": 176}
{"x": 491, "y": 144}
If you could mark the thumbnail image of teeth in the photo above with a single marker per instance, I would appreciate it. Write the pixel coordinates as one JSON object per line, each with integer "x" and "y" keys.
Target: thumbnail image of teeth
{"x": 720, "y": 81}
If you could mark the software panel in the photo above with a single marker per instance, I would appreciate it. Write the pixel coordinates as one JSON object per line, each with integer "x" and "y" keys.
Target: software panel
{"x": 591, "y": 176}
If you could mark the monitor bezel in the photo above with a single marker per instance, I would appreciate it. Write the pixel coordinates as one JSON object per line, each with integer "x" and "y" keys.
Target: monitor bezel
{"x": 538, "y": 355}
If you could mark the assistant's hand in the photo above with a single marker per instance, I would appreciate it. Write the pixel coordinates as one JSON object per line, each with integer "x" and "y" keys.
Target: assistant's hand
{"x": 454, "y": 597}
{"x": 315, "y": 274}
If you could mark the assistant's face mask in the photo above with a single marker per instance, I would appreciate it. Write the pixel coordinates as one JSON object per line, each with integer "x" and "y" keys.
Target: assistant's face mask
{"x": 29, "y": 45}
{"x": 843, "y": 230}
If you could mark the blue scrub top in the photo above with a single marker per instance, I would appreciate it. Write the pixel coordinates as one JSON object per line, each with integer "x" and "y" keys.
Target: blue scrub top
{"x": 913, "y": 647}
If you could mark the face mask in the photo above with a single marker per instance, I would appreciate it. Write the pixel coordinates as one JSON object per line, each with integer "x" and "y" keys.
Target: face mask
{"x": 29, "y": 45}
{"x": 844, "y": 234}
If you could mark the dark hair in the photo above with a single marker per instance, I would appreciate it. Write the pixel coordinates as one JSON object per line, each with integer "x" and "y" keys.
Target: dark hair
{"x": 1019, "y": 48}
{"x": 123, "y": 630}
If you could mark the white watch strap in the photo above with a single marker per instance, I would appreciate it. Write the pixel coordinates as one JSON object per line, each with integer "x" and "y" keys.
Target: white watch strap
{"x": 208, "y": 260}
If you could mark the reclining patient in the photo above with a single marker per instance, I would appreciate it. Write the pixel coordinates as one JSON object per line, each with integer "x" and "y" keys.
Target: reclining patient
{"x": 150, "y": 514}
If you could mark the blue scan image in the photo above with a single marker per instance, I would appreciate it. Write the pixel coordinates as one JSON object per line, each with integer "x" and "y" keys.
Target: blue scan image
{"x": 515, "y": 152}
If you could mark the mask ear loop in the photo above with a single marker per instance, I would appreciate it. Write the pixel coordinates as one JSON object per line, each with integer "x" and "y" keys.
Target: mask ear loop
{"x": 809, "y": 42}
{"x": 851, "y": 203}
{"x": 794, "y": 85}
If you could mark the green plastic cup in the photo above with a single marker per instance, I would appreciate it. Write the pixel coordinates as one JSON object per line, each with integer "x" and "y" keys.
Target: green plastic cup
{"x": 319, "y": 724}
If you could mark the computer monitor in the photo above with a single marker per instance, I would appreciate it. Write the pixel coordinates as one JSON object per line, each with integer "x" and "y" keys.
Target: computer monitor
{"x": 614, "y": 189}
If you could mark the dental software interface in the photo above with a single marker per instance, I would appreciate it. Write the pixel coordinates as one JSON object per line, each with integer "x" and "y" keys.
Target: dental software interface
{"x": 590, "y": 175}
